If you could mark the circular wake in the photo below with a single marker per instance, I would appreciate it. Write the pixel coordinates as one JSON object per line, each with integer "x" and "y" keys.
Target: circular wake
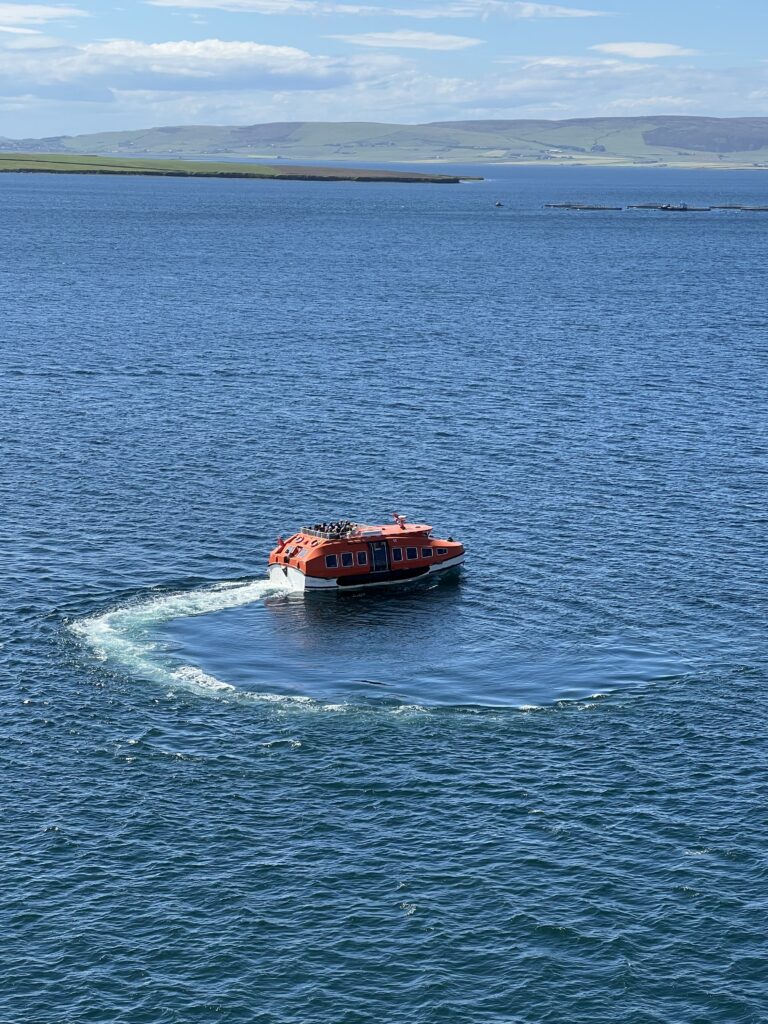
{"x": 130, "y": 637}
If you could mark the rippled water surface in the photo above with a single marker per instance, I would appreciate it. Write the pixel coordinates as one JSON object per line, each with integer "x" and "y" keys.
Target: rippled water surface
{"x": 535, "y": 792}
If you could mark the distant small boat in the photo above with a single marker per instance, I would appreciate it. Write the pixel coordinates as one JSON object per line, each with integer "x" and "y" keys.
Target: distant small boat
{"x": 683, "y": 208}
{"x": 498, "y": 203}
{"x": 672, "y": 207}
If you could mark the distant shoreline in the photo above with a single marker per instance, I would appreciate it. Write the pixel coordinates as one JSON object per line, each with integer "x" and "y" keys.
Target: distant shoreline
{"x": 54, "y": 163}
{"x": 607, "y": 165}
{"x": 661, "y": 141}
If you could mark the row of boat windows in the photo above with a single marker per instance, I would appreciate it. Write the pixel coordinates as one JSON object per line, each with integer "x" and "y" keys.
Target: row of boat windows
{"x": 347, "y": 557}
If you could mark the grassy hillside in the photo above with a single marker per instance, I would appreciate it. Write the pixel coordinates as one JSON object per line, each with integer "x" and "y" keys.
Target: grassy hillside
{"x": 56, "y": 163}
{"x": 671, "y": 141}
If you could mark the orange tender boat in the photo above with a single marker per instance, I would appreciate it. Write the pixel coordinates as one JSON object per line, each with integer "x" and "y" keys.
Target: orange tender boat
{"x": 343, "y": 555}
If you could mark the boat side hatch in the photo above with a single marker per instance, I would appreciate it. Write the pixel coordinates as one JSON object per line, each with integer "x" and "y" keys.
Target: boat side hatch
{"x": 379, "y": 556}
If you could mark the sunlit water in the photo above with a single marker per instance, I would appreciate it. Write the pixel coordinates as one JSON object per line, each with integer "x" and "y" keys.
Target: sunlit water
{"x": 532, "y": 792}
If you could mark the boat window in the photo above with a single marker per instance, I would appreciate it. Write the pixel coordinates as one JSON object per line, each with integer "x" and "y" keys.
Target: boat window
{"x": 298, "y": 552}
{"x": 362, "y": 557}
{"x": 331, "y": 561}
{"x": 426, "y": 552}
{"x": 442, "y": 551}
{"x": 397, "y": 554}
{"x": 346, "y": 558}
{"x": 411, "y": 553}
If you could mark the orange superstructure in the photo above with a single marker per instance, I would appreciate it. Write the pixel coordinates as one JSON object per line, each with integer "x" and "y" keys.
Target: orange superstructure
{"x": 344, "y": 554}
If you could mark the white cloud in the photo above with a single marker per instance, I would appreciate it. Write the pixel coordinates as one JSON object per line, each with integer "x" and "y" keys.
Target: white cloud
{"x": 644, "y": 51}
{"x": 100, "y": 68}
{"x": 524, "y": 10}
{"x": 254, "y": 6}
{"x": 199, "y": 58}
{"x": 124, "y": 83}
{"x": 404, "y": 39}
{"x": 35, "y": 14}
{"x": 32, "y": 41}
{"x": 451, "y": 9}
{"x": 652, "y": 104}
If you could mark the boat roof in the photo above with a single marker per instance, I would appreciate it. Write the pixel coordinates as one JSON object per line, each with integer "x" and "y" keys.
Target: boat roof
{"x": 366, "y": 531}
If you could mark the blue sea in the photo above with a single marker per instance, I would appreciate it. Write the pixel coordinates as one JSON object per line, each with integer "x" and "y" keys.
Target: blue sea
{"x": 536, "y": 792}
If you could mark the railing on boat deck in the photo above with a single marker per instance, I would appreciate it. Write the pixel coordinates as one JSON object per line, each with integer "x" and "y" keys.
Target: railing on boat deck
{"x": 305, "y": 531}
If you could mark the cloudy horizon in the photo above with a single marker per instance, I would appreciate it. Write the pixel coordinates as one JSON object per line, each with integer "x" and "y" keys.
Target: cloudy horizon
{"x": 97, "y": 66}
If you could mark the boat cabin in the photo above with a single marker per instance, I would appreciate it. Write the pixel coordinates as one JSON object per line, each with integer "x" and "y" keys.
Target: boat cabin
{"x": 343, "y": 553}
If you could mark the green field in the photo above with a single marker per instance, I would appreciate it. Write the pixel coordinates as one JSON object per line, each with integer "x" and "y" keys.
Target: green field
{"x": 609, "y": 141}
{"x": 55, "y": 163}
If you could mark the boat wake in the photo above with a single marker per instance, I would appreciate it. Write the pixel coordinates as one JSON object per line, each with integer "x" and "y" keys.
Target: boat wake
{"x": 123, "y": 636}
{"x": 127, "y": 638}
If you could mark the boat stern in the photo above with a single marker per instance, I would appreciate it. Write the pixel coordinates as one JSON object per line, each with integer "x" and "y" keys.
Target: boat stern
{"x": 286, "y": 576}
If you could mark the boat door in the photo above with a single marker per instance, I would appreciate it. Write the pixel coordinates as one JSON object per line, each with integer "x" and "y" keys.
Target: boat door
{"x": 379, "y": 556}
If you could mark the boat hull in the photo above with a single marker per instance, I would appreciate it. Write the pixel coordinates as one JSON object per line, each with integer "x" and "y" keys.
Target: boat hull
{"x": 295, "y": 579}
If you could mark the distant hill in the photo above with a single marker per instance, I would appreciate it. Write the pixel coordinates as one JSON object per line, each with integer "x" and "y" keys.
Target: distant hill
{"x": 670, "y": 141}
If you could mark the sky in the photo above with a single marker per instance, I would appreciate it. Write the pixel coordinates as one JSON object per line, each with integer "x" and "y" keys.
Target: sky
{"x": 96, "y": 65}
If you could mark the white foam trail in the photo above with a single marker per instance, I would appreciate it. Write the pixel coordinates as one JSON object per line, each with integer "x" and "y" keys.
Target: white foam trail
{"x": 183, "y": 603}
{"x": 123, "y": 634}
{"x": 199, "y": 680}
